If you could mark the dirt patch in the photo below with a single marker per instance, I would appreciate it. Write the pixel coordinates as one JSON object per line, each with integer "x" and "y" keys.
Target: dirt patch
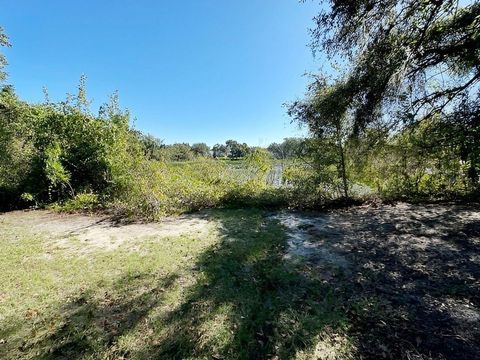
{"x": 413, "y": 281}
{"x": 101, "y": 233}
{"x": 308, "y": 238}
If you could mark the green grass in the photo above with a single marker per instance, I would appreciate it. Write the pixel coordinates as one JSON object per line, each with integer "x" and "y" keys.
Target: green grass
{"x": 226, "y": 295}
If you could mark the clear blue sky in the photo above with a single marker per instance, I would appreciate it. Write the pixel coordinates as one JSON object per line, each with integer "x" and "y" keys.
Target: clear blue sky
{"x": 189, "y": 71}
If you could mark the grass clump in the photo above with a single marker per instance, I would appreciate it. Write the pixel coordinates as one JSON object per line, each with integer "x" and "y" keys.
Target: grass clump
{"x": 85, "y": 202}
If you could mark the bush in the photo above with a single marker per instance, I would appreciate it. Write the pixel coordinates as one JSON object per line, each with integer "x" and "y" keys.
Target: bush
{"x": 80, "y": 202}
{"x": 53, "y": 151}
{"x": 158, "y": 188}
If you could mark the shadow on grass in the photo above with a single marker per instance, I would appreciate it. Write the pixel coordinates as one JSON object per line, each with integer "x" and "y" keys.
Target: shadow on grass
{"x": 248, "y": 303}
{"x": 397, "y": 301}
{"x": 414, "y": 291}
{"x": 92, "y": 322}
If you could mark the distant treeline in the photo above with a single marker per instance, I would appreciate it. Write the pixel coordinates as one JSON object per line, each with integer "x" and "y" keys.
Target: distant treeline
{"x": 155, "y": 149}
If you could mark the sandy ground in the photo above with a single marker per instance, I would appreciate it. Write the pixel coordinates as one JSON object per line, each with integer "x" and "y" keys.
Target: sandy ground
{"x": 93, "y": 233}
{"x": 316, "y": 237}
{"x": 416, "y": 267}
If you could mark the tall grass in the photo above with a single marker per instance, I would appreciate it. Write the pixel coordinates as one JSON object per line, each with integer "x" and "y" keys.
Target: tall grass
{"x": 155, "y": 189}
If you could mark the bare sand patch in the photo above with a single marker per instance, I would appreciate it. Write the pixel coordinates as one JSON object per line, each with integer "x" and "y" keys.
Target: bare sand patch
{"x": 102, "y": 233}
{"x": 326, "y": 236}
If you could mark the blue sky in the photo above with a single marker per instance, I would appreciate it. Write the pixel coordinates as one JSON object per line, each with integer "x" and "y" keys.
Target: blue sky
{"x": 189, "y": 71}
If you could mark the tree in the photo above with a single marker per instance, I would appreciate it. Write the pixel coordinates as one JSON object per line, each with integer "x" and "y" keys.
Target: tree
{"x": 52, "y": 152}
{"x": 152, "y": 146}
{"x": 236, "y": 150}
{"x": 219, "y": 151}
{"x": 4, "y": 42}
{"x": 178, "y": 152}
{"x": 403, "y": 63}
{"x": 327, "y": 123}
{"x": 419, "y": 58}
{"x": 289, "y": 148}
{"x": 277, "y": 150}
{"x": 201, "y": 149}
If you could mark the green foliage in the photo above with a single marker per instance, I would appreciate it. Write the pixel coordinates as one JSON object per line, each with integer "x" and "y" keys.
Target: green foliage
{"x": 29, "y": 199}
{"x": 151, "y": 146}
{"x": 17, "y": 151}
{"x": 419, "y": 162}
{"x": 161, "y": 188}
{"x": 290, "y": 148}
{"x": 260, "y": 161}
{"x": 62, "y": 153}
{"x": 236, "y": 150}
{"x": 321, "y": 111}
{"x": 53, "y": 151}
{"x": 178, "y": 152}
{"x": 311, "y": 182}
{"x": 254, "y": 190}
{"x": 401, "y": 117}
{"x": 56, "y": 174}
{"x": 397, "y": 55}
{"x": 4, "y": 42}
{"x": 201, "y": 149}
{"x": 80, "y": 202}
{"x": 219, "y": 151}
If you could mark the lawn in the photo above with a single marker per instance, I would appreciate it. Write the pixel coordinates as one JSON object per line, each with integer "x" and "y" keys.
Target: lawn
{"x": 225, "y": 294}
{"x": 241, "y": 284}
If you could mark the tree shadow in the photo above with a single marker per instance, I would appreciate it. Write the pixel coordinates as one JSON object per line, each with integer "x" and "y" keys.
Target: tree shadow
{"x": 92, "y": 322}
{"x": 409, "y": 293}
{"x": 415, "y": 274}
{"x": 248, "y": 303}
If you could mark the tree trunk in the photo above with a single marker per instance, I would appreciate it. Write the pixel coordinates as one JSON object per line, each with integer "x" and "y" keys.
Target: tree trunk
{"x": 343, "y": 171}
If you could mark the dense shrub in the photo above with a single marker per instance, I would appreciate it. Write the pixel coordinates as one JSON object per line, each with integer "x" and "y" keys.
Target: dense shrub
{"x": 51, "y": 152}
{"x": 80, "y": 202}
{"x": 420, "y": 162}
{"x": 62, "y": 154}
{"x": 159, "y": 188}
